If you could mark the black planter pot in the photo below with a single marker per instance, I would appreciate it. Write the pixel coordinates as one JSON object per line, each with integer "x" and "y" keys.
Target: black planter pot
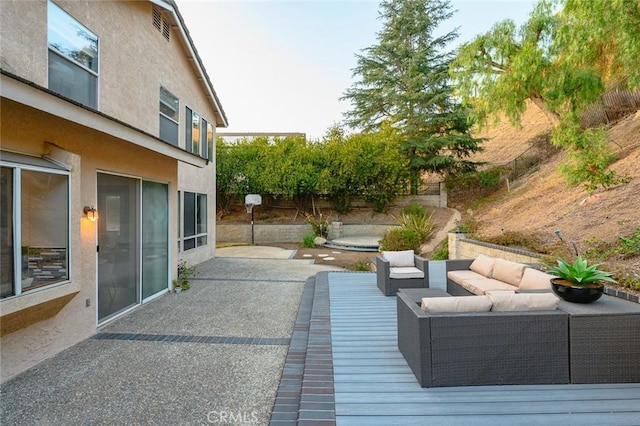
{"x": 576, "y": 293}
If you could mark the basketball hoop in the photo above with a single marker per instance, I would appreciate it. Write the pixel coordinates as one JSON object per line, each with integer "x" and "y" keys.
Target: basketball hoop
{"x": 251, "y": 200}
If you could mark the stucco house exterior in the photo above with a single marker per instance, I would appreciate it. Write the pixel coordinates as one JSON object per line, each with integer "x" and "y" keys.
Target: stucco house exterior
{"x": 108, "y": 122}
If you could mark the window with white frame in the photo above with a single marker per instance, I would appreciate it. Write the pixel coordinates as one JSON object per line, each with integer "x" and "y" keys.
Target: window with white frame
{"x": 34, "y": 226}
{"x": 73, "y": 57}
{"x": 194, "y": 220}
{"x": 169, "y": 117}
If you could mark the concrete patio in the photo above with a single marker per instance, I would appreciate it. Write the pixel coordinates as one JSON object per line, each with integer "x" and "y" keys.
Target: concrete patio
{"x": 281, "y": 342}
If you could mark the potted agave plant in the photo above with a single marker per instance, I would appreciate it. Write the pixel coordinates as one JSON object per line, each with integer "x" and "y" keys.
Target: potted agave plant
{"x": 578, "y": 282}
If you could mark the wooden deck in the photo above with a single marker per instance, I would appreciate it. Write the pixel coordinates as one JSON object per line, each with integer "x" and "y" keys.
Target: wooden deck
{"x": 374, "y": 386}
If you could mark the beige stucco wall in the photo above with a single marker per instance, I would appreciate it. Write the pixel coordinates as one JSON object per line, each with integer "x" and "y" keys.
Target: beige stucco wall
{"x": 88, "y": 152}
{"x": 134, "y": 57}
{"x": 23, "y": 21}
{"x": 135, "y": 60}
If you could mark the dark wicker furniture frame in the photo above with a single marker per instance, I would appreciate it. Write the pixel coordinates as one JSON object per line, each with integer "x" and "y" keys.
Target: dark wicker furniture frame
{"x": 390, "y": 286}
{"x": 484, "y": 348}
{"x": 604, "y": 345}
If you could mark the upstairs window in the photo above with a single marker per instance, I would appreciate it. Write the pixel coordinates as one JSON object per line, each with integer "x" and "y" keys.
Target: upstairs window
{"x": 169, "y": 117}
{"x": 207, "y": 140}
{"x": 198, "y": 135}
{"x": 73, "y": 57}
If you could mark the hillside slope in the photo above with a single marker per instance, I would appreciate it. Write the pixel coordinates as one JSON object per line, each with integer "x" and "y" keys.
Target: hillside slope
{"x": 504, "y": 142}
{"x": 542, "y": 202}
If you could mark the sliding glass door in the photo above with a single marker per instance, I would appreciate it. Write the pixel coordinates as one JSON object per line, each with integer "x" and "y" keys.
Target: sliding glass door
{"x": 118, "y": 259}
{"x": 155, "y": 238}
{"x": 133, "y": 241}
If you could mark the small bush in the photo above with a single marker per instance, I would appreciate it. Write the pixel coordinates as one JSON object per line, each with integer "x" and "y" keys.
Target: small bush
{"x": 442, "y": 251}
{"x": 399, "y": 239}
{"x": 360, "y": 266}
{"x": 422, "y": 226}
{"x": 520, "y": 240}
{"x": 308, "y": 241}
{"x": 414, "y": 210}
{"x": 320, "y": 225}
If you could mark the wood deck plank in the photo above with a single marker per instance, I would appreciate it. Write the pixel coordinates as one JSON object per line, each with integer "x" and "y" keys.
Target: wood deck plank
{"x": 374, "y": 386}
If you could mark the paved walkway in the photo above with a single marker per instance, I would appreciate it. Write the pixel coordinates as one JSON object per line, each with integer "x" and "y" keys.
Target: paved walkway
{"x": 211, "y": 355}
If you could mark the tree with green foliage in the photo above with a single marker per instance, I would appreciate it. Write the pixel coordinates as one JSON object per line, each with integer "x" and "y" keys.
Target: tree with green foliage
{"x": 604, "y": 35}
{"x": 339, "y": 168}
{"x": 291, "y": 170}
{"x": 369, "y": 165}
{"x": 239, "y": 170}
{"x": 404, "y": 85}
{"x": 500, "y": 70}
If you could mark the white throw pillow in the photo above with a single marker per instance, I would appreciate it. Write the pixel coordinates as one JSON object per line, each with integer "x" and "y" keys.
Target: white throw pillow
{"x": 399, "y": 258}
{"x": 507, "y": 302}
{"x": 483, "y": 265}
{"x": 456, "y": 304}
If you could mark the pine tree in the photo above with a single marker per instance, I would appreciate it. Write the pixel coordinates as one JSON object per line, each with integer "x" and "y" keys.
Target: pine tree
{"x": 404, "y": 83}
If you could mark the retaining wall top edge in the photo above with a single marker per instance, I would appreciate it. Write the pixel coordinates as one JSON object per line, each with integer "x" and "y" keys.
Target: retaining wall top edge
{"x": 503, "y": 248}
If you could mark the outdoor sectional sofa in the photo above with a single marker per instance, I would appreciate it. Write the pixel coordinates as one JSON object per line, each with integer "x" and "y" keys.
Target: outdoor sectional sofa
{"x": 466, "y": 277}
{"x": 519, "y": 338}
{"x": 482, "y": 348}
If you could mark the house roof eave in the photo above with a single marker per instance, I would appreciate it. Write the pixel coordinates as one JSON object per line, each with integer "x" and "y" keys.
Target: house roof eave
{"x": 34, "y": 96}
{"x": 194, "y": 57}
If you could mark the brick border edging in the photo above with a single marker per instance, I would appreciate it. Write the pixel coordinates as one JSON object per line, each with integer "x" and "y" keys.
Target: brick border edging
{"x": 305, "y": 395}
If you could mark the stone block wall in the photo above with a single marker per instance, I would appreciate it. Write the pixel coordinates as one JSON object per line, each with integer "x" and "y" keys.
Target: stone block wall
{"x": 461, "y": 247}
{"x": 290, "y": 233}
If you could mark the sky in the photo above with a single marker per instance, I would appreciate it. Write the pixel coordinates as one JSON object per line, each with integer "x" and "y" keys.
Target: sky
{"x": 282, "y": 65}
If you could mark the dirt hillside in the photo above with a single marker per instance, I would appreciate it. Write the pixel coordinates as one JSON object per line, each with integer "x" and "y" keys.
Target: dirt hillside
{"x": 505, "y": 142}
{"x": 541, "y": 202}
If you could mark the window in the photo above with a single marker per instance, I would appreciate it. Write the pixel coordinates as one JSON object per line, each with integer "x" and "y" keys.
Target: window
{"x": 34, "y": 227}
{"x": 194, "y": 225}
{"x": 207, "y": 139}
{"x": 198, "y": 135}
{"x": 195, "y": 133}
{"x": 169, "y": 117}
{"x": 73, "y": 57}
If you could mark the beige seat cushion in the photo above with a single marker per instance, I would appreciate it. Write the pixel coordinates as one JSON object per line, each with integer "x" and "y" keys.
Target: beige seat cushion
{"x": 532, "y": 279}
{"x": 463, "y": 274}
{"x": 405, "y": 272}
{"x": 400, "y": 259}
{"x": 483, "y": 265}
{"x": 456, "y": 304}
{"x": 508, "y": 272}
{"x": 480, "y": 286}
{"x": 503, "y": 302}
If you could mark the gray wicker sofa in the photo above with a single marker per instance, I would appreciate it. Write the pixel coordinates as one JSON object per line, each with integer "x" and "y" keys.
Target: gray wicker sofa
{"x": 466, "y": 277}
{"x": 483, "y": 348}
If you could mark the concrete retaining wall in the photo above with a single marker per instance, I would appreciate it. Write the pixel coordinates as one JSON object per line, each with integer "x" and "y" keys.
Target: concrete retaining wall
{"x": 460, "y": 247}
{"x": 290, "y": 233}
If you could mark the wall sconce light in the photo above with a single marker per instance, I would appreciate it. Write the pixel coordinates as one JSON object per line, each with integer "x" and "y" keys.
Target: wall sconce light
{"x": 91, "y": 212}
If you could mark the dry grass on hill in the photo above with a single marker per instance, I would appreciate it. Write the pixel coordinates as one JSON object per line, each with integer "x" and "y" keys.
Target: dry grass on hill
{"x": 505, "y": 142}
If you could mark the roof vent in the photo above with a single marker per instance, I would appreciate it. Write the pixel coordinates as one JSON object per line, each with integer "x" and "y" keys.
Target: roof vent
{"x": 161, "y": 24}
{"x": 165, "y": 30}
{"x": 157, "y": 19}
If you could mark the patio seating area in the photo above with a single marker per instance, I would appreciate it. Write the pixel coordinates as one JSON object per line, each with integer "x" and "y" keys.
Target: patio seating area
{"x": 373, "y": 385}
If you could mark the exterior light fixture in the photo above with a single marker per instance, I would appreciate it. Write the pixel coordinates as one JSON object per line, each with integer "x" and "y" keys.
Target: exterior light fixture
{"x": 91, "y": 212}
